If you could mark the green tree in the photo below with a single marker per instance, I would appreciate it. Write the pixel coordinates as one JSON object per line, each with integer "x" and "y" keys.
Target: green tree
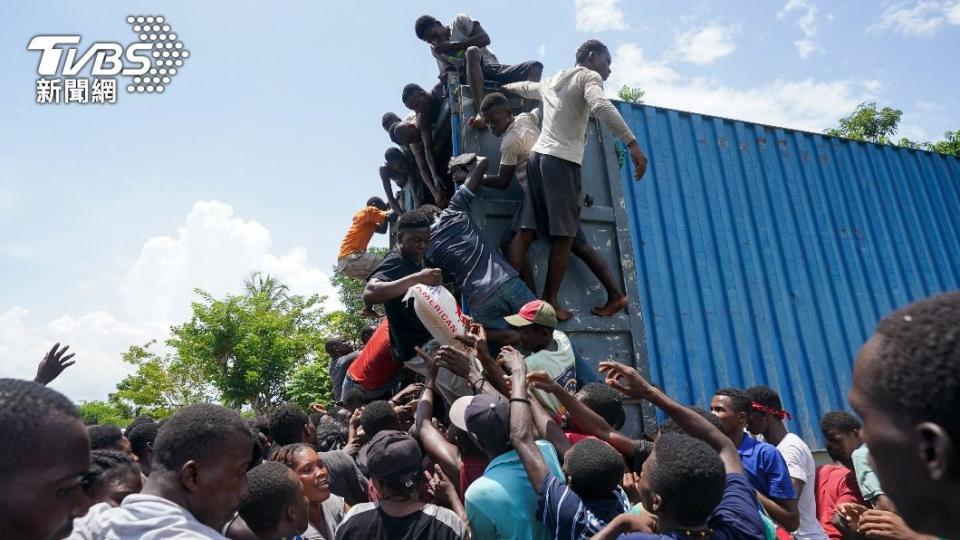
{"x": 310, "y": 383}
{"x": 247, "y": 346}
{"x": 258, "y": 284}
{"x": 106, "y": 412}
{"x": 162, "y": 383}
{"x": 867, "y": 123}
{"x": 631, "y": 94}
{"x": 348, "y": 322}
{"x": 950, "y": 144}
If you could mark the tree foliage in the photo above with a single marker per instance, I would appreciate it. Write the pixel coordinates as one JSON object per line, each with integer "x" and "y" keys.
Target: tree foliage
{"x": 631, "y": 94}
{"x": 249, "y": 350}
{"x": 867, "y": 123}
{"x": 162, "y": 383}
{"x": 870, "y": 124}
{"x": 247, "y": 346}
{"x": 106, "y": 412}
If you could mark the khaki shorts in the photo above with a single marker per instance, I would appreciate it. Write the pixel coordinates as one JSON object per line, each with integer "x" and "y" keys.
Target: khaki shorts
{"x": 359, "y": 265}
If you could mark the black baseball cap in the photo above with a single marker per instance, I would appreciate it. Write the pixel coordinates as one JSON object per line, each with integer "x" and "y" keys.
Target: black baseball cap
{"x": 393, "y": 456}
{"x": 486, "y": 417}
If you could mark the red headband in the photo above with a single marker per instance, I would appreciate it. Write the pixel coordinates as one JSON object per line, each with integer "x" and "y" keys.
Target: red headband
{"x": 770, "y": 410}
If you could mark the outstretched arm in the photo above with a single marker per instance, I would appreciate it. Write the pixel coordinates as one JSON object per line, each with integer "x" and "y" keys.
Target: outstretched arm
{"x": 378, "y": 292}
{"x": 501, "y": 180}
{"x": 426, "y": 135}
{"x": 588, "y": 421}
{"x": 628, "y": 380}
{"x": 438, "y": 448}
{"x": 473, "y": 182}
{"x": 388, "y": 189}
{"x": 425, "y": 166}
{"x": 524, "y": 89}
{"x": 610, "y": 117}
{"x": 521, "y": 421}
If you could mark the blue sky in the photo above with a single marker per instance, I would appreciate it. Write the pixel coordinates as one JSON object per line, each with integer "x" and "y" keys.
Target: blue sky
{"x": 268, "y": 139}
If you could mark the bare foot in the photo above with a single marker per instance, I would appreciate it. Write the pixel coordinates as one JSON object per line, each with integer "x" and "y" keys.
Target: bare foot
{"x": 369, "y": 312}
{"x": 614, "y": 305}
{"x": 563, "y": 314}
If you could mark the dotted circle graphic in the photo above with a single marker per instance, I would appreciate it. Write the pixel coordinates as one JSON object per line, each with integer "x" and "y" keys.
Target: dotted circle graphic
{"x": 166, "y": 51}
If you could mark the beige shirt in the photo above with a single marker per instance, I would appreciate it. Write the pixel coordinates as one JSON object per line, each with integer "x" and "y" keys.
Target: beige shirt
{"x": 568, "y": 99}
{"x": 518, "y": 141}
{"x": 460, "y": 29}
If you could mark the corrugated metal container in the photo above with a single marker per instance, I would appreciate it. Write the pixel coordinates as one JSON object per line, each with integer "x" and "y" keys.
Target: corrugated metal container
{"x": 767, "y": 255}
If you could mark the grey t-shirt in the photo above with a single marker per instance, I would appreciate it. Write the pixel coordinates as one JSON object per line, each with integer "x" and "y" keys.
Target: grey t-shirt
{"x": 457, "y": 247}
{"x": 333, "y": 514}
{"x": 461, "y": 29}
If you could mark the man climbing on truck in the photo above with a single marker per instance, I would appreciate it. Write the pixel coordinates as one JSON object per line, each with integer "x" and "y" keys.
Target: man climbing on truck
{"x": 519, "y": 134}
{"x": 554, "y": 183}
{"x": 463, "y": 47}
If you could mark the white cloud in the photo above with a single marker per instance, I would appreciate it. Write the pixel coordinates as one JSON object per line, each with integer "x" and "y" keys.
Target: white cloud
{"x": 918, "y": 18}
{"x": 704, "y": 44}
{"x": 599, "y": 15}
{"x": 542, "y": 51}
{"x": 213, "y": 250}
{"x": 803, "y": 104}
{"x": 807, "y": 21}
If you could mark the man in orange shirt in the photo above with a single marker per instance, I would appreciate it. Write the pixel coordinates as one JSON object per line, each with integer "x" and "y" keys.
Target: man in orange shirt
{"x": 354, "y": 260}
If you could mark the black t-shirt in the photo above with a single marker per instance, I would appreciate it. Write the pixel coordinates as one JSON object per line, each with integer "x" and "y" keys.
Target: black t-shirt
{"x": 369, "y": 521}
{"x": 406, "y": 331}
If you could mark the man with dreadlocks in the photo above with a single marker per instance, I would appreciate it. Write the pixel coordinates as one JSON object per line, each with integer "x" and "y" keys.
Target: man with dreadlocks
{"x": 766, "y": 418}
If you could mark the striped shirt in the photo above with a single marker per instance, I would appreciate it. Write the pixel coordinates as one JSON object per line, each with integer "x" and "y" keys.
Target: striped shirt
{"x": 567, "y": 516}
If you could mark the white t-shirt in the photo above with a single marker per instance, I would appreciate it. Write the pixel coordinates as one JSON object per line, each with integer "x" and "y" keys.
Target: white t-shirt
{"x": 518, "y": 141}
{"x": 801, "y": 466}
{"x": 141, "y": 517}
{"x": 568, "y": 99}
{"x": 560, "y": 364}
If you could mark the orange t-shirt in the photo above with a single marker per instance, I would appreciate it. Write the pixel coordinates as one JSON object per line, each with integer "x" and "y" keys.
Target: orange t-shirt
{"x": 365, "y": 223}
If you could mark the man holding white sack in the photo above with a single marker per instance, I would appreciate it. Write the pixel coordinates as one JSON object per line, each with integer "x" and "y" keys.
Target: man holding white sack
{"x": 403, "y": 268}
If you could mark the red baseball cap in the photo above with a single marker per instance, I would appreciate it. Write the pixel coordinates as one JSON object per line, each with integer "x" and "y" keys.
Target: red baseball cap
{"x": 535, "y": 312}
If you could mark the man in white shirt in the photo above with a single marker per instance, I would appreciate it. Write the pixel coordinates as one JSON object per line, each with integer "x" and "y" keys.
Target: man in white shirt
{"x": 766, "y": 418}
{"x": 197, "y": 482}
{"x": 463, "y": 47}
{"x": 519, "y": 135}
{"x": 554, "y": 183}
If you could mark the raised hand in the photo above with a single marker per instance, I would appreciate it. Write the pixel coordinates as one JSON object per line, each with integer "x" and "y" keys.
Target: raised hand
{"x": 408, "y": 393}
{"x": 53, "y": 364}
{"x": 441, "y": 488}
{"x": 627, "y": 380}
{"x": 430, "y": 362}
{"x": 512, "y": 362}
{"x": 455, "y": 360}
{"x": 541, "y": 380}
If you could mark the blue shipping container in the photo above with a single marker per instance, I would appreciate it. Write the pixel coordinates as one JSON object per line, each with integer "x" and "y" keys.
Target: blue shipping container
{"x": 766, "y": 255}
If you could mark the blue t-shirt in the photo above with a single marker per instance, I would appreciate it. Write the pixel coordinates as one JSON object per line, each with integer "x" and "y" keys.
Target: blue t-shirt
{"x": 502, "y": 504}
{"x": 764, "y": 466}
{"x": 563, "y": 512}
{"x": 457, "y": 247}
{"x": 735, "y": 518}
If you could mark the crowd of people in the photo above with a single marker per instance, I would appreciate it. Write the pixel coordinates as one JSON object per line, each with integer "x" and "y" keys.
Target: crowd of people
{"x": 501, "y": 432}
